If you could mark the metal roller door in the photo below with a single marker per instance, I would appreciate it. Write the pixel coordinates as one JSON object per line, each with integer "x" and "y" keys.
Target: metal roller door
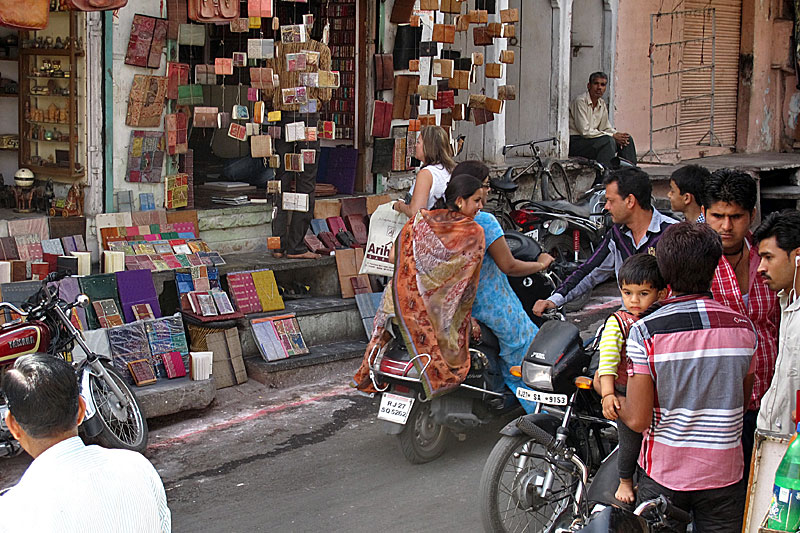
{"x": 728, "y": 17}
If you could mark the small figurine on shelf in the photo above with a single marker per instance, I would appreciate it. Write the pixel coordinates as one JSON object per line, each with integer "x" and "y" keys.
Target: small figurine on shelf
{"x": 74, "y": 204}
{"x": 44, "y": 196}
{"x": 23, "y": 190}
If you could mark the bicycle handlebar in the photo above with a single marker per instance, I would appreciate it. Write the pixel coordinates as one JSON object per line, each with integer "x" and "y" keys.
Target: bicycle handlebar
{"x": 508, "y": 147}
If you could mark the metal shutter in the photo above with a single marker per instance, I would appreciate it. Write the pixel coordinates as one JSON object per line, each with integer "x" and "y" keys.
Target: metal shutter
{"x": 726, "y": 83}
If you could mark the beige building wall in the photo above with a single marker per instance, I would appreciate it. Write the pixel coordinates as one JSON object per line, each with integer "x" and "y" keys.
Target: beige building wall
{"x": 767, "y": 104}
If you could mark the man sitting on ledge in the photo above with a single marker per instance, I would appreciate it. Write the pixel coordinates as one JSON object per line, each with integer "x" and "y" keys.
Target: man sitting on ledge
{"x": 590, "y": 133}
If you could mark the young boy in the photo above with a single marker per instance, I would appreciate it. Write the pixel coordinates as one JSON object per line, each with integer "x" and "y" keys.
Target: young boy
{"x": 686, "y": 191}
{"x": 641, "y": 285}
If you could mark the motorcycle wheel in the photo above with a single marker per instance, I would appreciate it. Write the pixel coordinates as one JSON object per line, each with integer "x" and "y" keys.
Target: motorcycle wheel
{"x": 560, "y": 247}
{"x": 422, "y": 439}
{"x": 509, "y": 501}
{"x": 122, "y": 428}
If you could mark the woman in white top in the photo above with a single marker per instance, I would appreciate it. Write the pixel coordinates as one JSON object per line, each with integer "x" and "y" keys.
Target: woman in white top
{"x": 434, "y": 150}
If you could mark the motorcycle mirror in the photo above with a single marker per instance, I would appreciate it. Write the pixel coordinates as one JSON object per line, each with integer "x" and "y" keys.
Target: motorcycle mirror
{"x": 83, "y": 301}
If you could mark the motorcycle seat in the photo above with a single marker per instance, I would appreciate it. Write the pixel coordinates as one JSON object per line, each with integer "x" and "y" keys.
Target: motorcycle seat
{"x": 503, "y": 185}
{"x": 579, "y": 210}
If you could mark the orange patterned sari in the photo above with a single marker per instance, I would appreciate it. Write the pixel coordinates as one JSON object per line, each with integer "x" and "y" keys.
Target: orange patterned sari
{"x": 438, "y": 258}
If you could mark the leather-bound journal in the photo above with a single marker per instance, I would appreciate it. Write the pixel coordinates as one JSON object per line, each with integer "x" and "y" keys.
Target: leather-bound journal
{"x": 382, "y": 119}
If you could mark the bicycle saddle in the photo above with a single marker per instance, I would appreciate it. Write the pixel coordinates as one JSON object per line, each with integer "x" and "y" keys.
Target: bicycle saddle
{"x": 503, "y": 185}
{"x": 581, "y": 210}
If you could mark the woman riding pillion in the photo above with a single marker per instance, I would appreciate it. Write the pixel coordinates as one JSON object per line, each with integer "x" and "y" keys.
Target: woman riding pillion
{"x": 437, "y": 266}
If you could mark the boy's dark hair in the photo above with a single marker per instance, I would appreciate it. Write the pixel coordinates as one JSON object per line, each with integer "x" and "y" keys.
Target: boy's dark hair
{"x": 688, "y": 253}
{"x": 633, "y": 181}
{"x": 42, "y": 395}
{"x": 732, "y": 187}
{"x": 641, "y": 269}
{"x": 691, "y": 179}
{"x": 597, "y": 75}
{"x": 472, "y": 167}
{"x": 784, "y": 226}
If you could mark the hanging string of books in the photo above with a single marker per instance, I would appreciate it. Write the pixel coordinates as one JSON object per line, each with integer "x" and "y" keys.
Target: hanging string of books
{"x": 452, "y": 84}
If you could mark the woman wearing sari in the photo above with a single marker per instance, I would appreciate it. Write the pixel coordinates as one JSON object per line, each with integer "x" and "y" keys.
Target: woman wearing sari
{"x": 437, "y": 266}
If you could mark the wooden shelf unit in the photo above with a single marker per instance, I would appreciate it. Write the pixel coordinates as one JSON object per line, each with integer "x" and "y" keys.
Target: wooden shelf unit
{"x": 33, "y": 154}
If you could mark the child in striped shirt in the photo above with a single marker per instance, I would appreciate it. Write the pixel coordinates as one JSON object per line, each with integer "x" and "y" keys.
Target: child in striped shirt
{"x": 641, "y": 285}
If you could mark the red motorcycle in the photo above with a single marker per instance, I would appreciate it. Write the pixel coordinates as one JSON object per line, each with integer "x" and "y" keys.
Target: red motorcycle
{"x": 113, "y": 416}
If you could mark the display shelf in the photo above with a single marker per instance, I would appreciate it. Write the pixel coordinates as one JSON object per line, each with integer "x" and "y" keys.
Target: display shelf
{"x": 341, "y": 109}
{"x": 9, "y": 96}
{"x": 34, "y": 61}
{"x": 50, "y": 52}
{"x": 77, "y": 141}
{"x": 56, "y": 171}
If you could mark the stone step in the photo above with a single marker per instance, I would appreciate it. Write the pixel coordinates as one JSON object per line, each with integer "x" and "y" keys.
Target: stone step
{"x": 170, "y": 396}
{"x": 322, "y": 320}
{"x": 314, "y": 366}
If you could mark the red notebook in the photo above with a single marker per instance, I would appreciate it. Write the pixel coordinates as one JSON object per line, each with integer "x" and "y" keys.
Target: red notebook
{"x": 382, "y": 119}
{"x": 173, "y": 364}
{"x": 244, "y": 292}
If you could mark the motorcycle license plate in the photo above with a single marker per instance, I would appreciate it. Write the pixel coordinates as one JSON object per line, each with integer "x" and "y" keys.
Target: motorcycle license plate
{"x": 541, "y": 397}
{"x": 533, "y": 234}
{"x": 395, "y": 408}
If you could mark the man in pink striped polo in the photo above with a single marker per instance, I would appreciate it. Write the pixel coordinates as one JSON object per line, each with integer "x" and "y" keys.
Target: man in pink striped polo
{"x": 691, "y": 377}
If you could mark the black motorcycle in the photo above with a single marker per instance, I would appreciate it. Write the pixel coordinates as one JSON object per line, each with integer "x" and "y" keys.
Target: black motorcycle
{"x": 521, "y": 488}
{"x": 425, "y": 427}
{"x": 536, "y": 477}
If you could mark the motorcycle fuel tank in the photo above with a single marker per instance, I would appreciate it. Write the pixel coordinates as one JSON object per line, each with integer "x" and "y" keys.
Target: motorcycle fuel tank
{"x": 22, "y": 339}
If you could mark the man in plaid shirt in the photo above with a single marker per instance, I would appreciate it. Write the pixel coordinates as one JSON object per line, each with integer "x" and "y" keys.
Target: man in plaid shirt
{"x": 730, "y": 201}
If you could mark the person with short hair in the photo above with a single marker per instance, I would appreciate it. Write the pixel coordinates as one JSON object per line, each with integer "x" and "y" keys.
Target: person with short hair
{"x": 686, "y": 191}
{"x": 70, "y": 486}
{"x": 778, "y": 239}
{"x": 730, "y": 207}
{"x": 640, "y": 285}
{"x": 591, "y": 135}
{"x": 637, "y": 228}
{"x": 690, "y": 376}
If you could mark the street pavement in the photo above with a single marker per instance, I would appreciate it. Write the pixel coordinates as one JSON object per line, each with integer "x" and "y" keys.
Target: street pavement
{"x": 311, "y": 458}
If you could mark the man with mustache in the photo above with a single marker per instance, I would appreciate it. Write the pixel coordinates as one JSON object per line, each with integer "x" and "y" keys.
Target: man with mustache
{"x": 778, "y": 239}
{"x": 730, "y": 201}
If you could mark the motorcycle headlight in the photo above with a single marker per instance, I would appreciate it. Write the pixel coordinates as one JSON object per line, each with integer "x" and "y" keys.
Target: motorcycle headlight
{"x": 537, "y": 377}
{"x": 557, "y": 227}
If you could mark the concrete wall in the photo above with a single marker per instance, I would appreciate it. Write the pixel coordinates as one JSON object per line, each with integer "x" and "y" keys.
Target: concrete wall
{"x": 122, "y": 78}
{"x": 768, "y": 99}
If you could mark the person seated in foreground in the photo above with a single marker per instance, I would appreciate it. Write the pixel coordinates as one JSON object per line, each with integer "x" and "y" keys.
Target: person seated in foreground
{"x": 71, "y": 487}
{"x": 591, "y": 135}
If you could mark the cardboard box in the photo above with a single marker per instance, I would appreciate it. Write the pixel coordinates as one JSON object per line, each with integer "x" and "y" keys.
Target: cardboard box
{"x": 327, "y": 207}
{"x": 373, "y": 201}
{"x": 348, "y": 264}
{"x": 228, "y": 366}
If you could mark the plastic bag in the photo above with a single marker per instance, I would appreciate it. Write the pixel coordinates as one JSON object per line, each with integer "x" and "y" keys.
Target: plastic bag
{"x": 384, "y": 227}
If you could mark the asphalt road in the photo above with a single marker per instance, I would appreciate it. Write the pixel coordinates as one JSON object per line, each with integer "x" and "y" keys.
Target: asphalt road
{"x": 312, "y": 458}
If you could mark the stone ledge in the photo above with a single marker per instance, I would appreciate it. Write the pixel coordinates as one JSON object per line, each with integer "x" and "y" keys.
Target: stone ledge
{"x": 306, "y": 368}
{"x": 172, "y": 396}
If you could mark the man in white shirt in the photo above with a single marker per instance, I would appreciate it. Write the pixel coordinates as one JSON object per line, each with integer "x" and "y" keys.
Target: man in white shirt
{"x": 591, "y": 135}
{"x": 778, "y": 239}
{"x": 70, "y": 487}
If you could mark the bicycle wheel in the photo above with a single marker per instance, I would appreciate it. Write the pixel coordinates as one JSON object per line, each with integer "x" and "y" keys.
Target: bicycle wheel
{"x": 555, "y": 183}
{"x": 509, "y": 498}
